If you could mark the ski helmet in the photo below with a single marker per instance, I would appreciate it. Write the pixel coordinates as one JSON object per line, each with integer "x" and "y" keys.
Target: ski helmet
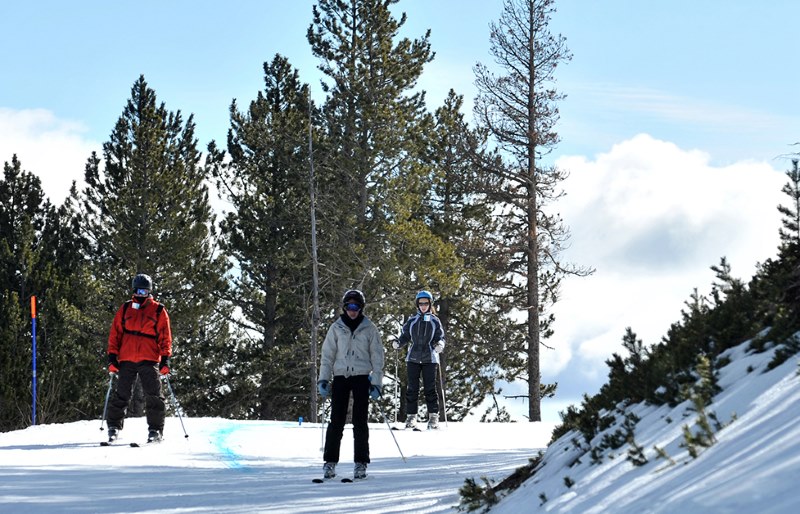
{"x": 423, "y": 294}
{"x": 142, "y": 281}
{"x": 354, "y": 296}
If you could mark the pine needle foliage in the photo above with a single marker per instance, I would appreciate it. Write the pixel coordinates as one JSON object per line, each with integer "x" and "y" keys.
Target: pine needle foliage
{"x": 145, "y": 209}
{"x": 42, "y": 254}
{"x": 264, "y": 177}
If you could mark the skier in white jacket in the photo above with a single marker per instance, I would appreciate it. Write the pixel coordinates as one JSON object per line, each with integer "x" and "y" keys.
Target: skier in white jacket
{"x": 352, "y": 362}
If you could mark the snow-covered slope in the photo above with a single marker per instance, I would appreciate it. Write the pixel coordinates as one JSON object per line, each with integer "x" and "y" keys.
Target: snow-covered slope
{"x": 754, "y": 467}
{"x": 267, "y": 466}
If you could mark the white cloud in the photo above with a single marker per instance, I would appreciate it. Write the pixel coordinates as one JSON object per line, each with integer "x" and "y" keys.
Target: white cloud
{"x": 651, "y": 218}
{"x": 52, "y": 149}
{"x": 648, "y": 203}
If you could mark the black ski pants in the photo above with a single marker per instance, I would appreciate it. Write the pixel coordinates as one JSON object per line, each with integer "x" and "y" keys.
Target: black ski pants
{"x": 428, "y": 372}
{"x": 358, "y": 385}
{"x": 154, "y": 404}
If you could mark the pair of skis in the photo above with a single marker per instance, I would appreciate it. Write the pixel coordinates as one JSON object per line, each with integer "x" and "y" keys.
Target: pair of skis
{"x": 132, "y": 445}
{"x": 415, "y": 429}
{"x": 344, "y": 480}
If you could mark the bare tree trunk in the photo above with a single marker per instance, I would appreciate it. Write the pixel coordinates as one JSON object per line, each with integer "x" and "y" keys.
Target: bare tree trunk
{"x": 313, "y": 371}
{"x": 534, "y": 398}
{"x": 444, "y": 317}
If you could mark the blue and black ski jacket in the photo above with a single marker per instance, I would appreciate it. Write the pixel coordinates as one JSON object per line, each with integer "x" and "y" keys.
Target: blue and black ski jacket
{"x": 423, "y": 332}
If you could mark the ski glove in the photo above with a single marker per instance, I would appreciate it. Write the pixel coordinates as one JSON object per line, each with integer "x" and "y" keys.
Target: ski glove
{"x": 438, "y": 347}
{"x": 163, "y": 367}
{"x": 113, "y": 364}
{"x": 396, "y": 345}
{"x": 374, "y": 392}
{"x": 324, "y": 388}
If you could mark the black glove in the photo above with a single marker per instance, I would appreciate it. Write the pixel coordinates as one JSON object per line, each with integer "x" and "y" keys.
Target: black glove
{"x": 113, "y": 365}
{"x": 163, "y": 367}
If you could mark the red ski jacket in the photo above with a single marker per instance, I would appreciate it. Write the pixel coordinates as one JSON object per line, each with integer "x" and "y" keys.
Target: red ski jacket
{"x": 142, "y": 334}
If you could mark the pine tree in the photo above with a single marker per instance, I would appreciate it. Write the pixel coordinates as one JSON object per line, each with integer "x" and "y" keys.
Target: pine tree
{"x": 146, "y": 210}
{"x": 519, "y": 110}
{"x": 266, "y": 233}
{"x": 23, "y": 213}
{"x": 790, "y": 242}
{"x": 41, "y": 256}
{"x": 73, "y": 348}
{"x": 477, "y": 326}
{"x": 398, "y": 200}
{"x": 790, "y": 230}
{"x": 370, "y": 176}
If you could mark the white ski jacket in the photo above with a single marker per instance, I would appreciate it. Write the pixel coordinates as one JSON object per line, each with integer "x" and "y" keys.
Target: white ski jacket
{"x": 349, "y": 353}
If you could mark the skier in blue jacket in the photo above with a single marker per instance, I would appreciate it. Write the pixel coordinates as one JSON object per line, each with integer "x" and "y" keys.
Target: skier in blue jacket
{"x": 424, "y": 335}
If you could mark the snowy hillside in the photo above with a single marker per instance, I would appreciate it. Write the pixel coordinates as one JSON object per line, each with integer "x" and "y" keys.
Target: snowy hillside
{"x": 262, "y": 466}
{"x": 754, "y": 466}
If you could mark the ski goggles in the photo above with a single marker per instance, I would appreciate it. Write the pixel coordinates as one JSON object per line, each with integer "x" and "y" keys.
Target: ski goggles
{"x": 352, "y": 307}
{"x": 142, "y": 292}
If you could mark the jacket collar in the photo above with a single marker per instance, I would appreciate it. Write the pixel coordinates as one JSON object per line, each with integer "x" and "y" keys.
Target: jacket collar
{"x": 147, "y": 301}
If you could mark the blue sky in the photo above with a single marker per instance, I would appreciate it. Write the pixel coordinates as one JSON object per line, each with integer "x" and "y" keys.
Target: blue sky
{"x": 715, "y": 74}
{"x": 675, "y": 129}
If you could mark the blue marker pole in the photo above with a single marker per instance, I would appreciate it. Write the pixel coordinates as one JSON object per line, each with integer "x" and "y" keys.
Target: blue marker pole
{"x": 33, "y": 323}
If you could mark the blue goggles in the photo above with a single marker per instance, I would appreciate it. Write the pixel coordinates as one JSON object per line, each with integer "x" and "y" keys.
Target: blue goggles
{"x": 142, "y": 292}
{"x": 352, "y": 307}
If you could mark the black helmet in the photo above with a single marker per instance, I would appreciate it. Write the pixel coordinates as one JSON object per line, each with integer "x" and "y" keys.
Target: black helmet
{"x": 142, "y": 281}
{"x": 354, "y": 296}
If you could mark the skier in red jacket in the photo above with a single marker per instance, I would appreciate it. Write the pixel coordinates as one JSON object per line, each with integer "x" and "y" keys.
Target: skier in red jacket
{"x": 139, "y": 344}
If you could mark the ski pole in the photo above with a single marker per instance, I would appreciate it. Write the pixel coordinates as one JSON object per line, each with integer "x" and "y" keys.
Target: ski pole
{"x": 175, "y": 404}
{"x": 396, "y": 389}
{"x": 390, "y": 431}
{"x": 444, "y": 398}
{"x": 108, "y": 393}
{"x": 322, "y": 425}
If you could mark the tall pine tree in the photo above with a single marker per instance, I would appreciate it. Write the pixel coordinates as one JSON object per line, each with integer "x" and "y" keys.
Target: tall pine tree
{"x": 266, "y": 234}
{"x": 23, "y": 211}
{"x": 477, "y": 322}
{"x": 790, "y": 241}
{"x": 146, "y": 210}
{"x": 519, "y": 109}
{"x": 372, "y": 120}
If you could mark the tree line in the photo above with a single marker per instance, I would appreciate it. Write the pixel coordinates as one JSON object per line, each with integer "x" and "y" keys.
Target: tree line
{"x": 405, "y": 197}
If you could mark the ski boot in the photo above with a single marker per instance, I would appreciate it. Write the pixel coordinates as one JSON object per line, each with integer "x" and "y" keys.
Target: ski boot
{"x": 329, "y": 470}
{"x": 411, "y": 422}
{"x": 154, "y": 436}
{"x": 433, "y": 421}
{"x": 360, "y": 470}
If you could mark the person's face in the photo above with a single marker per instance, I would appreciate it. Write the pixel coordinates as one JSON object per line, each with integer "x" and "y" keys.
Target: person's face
{"x": 424, "y": 305}
{"x": 140, "y": 295}
{"x": 352, "y": 310}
